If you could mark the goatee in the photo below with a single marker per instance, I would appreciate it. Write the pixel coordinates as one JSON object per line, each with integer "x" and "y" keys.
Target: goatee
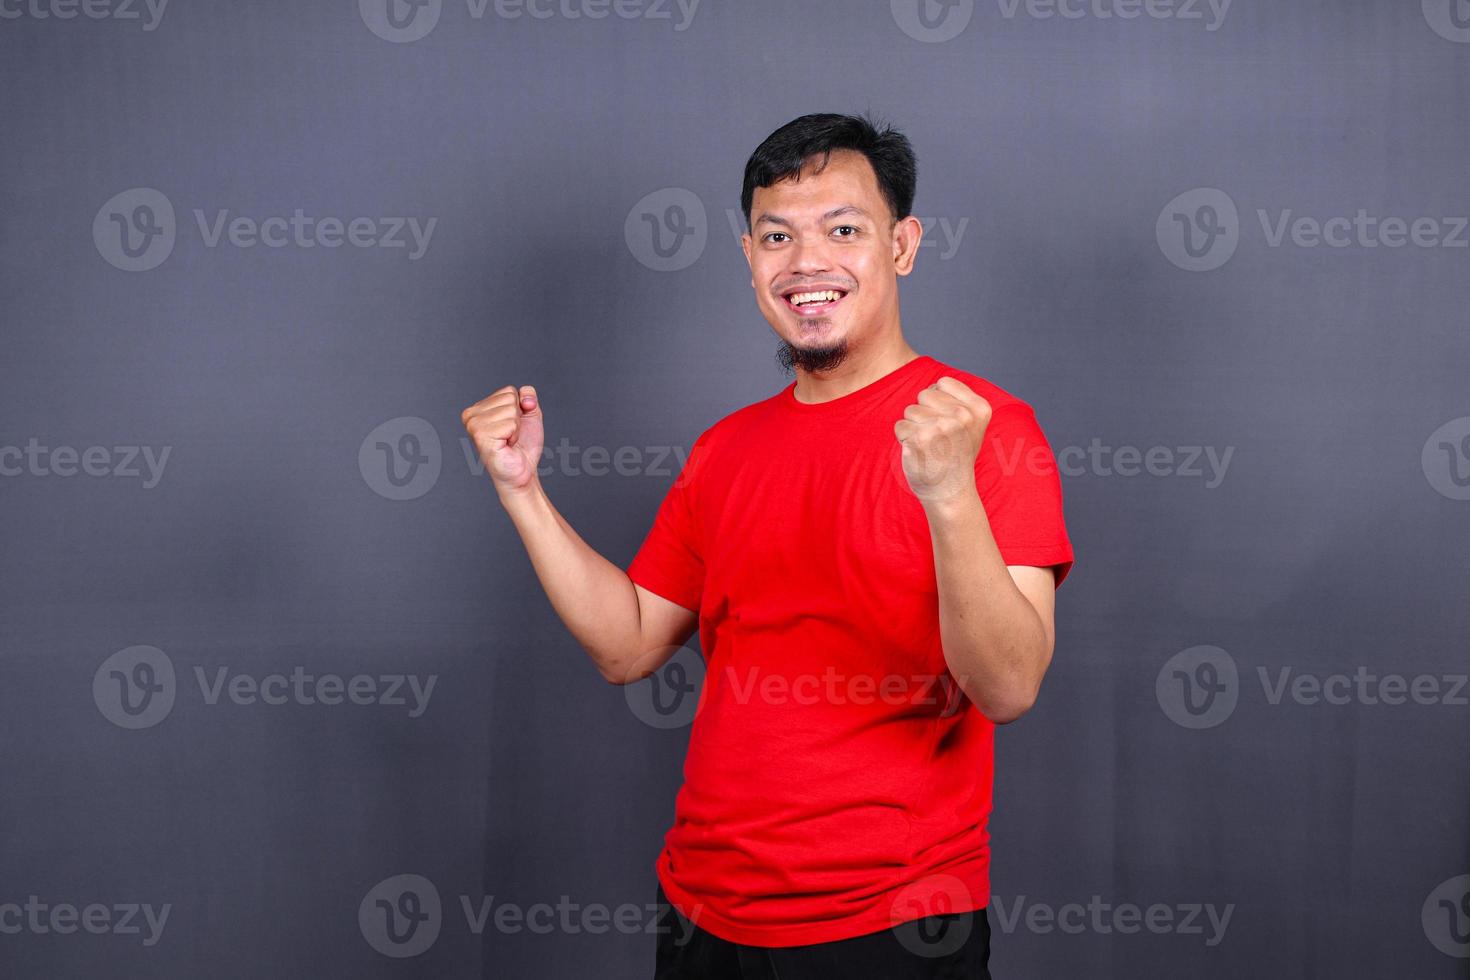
{"x": 811, "y": 359}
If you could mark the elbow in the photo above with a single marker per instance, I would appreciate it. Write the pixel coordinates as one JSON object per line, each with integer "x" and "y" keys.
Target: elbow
{"x": 619, "y": 674}
{"x": 622, "y": 671}
{"x": 617, "y": 671}
{"x": 1001, "y": 707}
{"x": 1005, "y": 711}
{"x": 1005, "y": 703}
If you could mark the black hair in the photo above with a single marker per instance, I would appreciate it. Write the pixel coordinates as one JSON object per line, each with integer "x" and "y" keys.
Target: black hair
{"x": 783, "y": 153}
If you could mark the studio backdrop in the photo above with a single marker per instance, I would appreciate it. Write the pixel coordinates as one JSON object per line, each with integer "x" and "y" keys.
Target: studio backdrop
{"x": 280, "y": 694}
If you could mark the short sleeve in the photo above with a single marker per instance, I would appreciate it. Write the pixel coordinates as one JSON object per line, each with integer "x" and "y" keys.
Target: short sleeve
{"x": 670, "y": 561}
{"x": 1019, "y": 484}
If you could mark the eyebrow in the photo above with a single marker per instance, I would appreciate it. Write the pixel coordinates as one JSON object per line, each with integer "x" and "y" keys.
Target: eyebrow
{"x": 776, "y": 219}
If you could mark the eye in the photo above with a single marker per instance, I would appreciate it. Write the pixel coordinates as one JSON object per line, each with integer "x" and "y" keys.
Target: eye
{"x": 847, "y": 228}
{"x": 770, "y": 235}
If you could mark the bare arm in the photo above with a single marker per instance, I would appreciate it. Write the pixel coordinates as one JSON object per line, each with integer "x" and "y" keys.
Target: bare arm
{"x": 995, "y": 620}
{"x": 628, "y": 631}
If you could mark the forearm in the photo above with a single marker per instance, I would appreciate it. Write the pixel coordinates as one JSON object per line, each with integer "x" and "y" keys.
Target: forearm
{"x": 994, "y": 642}
{"x": 594, "y": 598}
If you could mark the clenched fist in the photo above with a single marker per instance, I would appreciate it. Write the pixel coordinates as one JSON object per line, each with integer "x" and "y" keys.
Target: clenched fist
{"x": 940, "y": 436}
{"x": 508, "y": 434}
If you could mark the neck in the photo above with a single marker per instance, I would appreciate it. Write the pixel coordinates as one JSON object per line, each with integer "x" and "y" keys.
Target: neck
{"x": 860, "y": 368}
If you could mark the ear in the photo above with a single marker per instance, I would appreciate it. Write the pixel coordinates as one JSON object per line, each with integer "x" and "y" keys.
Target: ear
{"x": 746, "y": 244}
{"x": 906, "y": 237}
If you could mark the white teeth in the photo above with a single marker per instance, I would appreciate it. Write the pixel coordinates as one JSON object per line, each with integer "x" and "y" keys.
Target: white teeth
{"x": 824, "y": 296}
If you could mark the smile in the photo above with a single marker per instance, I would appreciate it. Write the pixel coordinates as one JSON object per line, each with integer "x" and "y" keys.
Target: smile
{"x": 814, "y": 302}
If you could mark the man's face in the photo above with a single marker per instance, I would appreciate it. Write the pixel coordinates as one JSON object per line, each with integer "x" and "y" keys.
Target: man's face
{"x": 825, "y": 254}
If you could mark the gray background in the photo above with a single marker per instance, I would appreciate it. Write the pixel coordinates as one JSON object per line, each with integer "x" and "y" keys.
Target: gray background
{"x": 1334, "y": 542}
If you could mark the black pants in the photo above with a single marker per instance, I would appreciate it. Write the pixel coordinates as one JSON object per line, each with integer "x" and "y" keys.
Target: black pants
{"x": 941, "y": 947}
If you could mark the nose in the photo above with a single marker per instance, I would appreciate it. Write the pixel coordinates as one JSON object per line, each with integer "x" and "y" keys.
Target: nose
{"x": 809, "y": 258}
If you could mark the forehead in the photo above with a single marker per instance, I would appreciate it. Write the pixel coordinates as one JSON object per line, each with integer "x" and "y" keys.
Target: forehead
{"x": 847, "y": 178}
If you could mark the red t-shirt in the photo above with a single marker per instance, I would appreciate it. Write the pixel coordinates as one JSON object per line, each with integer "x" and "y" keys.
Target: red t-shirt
{"x": 833, "y": 766}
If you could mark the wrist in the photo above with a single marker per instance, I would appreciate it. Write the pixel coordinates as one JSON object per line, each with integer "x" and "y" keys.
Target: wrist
{"x": 955, "y": 506}
{"x": 521, "y": 499}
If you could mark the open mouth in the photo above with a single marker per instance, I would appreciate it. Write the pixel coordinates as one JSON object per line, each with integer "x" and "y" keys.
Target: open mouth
{"x": 814, "y": 302}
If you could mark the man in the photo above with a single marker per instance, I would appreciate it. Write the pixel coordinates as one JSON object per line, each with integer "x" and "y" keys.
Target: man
{"x": 871, "y": 557}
